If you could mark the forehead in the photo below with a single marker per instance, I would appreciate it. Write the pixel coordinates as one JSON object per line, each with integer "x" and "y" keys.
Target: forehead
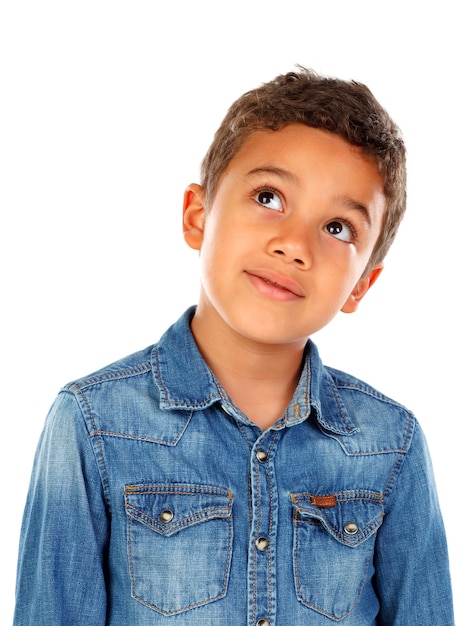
{"x": 295, "y": 136}
{"x": 309, "y": 156}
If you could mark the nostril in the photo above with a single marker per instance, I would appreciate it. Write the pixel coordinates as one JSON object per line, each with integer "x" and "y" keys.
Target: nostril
{"x": 282, "y": 253}
{"x": 288, "y": 256}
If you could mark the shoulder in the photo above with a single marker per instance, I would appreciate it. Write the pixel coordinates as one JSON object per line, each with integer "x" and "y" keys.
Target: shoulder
{"x": 378, "y": 422}
{"x": 128, "y": 367}
{"x": 116, "y": 399}
{"x": 345, "y": 382}
{"x": 118, "y": 389}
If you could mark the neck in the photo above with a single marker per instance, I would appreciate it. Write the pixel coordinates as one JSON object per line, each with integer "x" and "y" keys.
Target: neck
{"x": 260, "y": 378}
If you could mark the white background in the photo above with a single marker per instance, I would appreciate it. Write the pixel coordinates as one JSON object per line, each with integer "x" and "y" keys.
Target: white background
{"x": 106, "y": 110}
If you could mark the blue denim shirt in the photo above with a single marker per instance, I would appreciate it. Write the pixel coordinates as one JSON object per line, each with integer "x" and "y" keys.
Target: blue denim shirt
{"x": 155, "y": 501}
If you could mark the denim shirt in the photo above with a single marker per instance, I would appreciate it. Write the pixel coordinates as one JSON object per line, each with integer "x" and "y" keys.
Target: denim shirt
{"x": 155, "y": 501}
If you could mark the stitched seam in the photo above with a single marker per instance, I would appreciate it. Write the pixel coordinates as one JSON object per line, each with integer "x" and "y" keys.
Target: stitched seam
{"x": 109, "y": 433}
{"x": 178, "y": 488}
{"x": 242, "y": 429}
{"x": 102, "y": 474}
{"x": 254, "y": 578}
{"x": 200, "y": 516}
{"x": 202, "y": 404}
{"x": 363, "y": 534}
{"x": 343, "y": 496}
{"x": 341, "y": 407}
{"x": 369, "y": 392}
{"x": 399, "y": 461}
{"x": 136, "y": 370}
{"x": 270, "y": 482}
{"x": 391, "y": 451}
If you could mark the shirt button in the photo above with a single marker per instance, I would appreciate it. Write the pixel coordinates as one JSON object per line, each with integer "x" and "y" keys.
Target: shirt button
{"x": 263, "y": 622}
{"x": 262, "y": 457}
{"x": 351, "y": 528}
{"x": 166, "y": 515}
{"x": 262, "y": 543}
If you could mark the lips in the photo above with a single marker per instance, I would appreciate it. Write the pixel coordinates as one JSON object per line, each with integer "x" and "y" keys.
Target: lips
{"x": 276, "y": 281}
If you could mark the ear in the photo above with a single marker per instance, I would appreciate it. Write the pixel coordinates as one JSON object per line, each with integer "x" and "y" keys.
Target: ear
{"x": 361, "y": 289}
{"x": 193, "y": 217}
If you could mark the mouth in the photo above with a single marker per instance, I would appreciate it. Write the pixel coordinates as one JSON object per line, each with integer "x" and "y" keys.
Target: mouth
{"x": 275, "y": 284}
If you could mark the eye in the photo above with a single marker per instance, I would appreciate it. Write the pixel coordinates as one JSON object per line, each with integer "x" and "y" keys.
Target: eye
{"x": 269, "y": 199}
{"x": 341, "y": 230}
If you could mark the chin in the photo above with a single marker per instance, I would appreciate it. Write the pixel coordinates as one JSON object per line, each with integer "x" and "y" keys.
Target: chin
{"x": 266, "y": 333}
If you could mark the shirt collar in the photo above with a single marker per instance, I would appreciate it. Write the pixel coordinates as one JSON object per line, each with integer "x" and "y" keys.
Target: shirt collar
{"x": 186, "y": 382}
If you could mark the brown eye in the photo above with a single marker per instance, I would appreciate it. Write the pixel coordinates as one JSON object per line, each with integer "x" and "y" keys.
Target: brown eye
{"x": 335, "y": 228}
{"x": 269, "y": 199}
{"x": 340, "y": 230}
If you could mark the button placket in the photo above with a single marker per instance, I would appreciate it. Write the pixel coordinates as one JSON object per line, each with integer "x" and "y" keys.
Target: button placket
{"x": 261, "y": 561}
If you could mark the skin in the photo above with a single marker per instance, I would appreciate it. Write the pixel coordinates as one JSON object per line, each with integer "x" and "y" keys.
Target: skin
{"x": 283, "y": 248}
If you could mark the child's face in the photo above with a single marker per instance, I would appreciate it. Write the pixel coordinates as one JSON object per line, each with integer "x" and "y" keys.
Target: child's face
{"x": 288, "y": 235}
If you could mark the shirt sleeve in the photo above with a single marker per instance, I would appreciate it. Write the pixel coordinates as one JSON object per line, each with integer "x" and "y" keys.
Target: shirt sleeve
{"x": 411, "y": 562}
{"x": 60, "y": 576}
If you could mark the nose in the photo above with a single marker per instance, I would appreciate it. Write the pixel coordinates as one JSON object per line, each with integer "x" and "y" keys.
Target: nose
{"x": 292, "y": 245}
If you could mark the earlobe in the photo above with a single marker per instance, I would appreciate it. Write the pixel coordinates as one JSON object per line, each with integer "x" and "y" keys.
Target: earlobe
{"x": 193, "y": 216}
{"x": 361, "y": 289}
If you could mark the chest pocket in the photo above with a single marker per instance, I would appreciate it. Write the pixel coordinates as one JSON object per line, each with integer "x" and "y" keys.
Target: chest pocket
{"x": 179, "y": 542}
{"x": 334, "y": 537}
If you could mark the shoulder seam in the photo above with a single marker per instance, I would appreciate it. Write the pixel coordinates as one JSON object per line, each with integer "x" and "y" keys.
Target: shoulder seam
{"x": 84, "y": 383}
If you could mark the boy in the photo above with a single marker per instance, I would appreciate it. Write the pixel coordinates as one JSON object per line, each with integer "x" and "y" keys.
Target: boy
{"x": 224, "y": 475}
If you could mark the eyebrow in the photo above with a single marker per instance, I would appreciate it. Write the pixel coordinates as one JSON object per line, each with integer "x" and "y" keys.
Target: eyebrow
{"x": 353, "y": 204}
{"x": 289, "y": 176}
{"x": 276, "y": 171}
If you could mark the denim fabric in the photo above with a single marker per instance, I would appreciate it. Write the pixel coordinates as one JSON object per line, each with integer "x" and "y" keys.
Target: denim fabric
{"x": 155, "y": 501}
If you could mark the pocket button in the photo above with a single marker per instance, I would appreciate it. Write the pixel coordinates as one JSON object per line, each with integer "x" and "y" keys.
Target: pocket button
{"x": 351, "y": 528}
{"x": 166, "y": 516}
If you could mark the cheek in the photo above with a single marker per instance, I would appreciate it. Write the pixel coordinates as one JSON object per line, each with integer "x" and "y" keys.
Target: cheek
{"x": 215, "y": 255}
{"x": 340, "y": 258}
{"x": 340, "y": 268}
{"x": 216, "y": 248}
{"x": 223, "y": 236}
{"x": 345, "y": 259}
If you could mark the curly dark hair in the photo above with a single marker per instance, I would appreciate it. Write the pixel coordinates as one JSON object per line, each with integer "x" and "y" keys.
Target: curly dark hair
{"x": 346, "y": 108}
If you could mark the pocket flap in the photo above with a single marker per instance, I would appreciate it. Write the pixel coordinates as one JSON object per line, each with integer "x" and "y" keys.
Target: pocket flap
{"x": 168, "y": 508}
{"x": 350, "y": 516}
